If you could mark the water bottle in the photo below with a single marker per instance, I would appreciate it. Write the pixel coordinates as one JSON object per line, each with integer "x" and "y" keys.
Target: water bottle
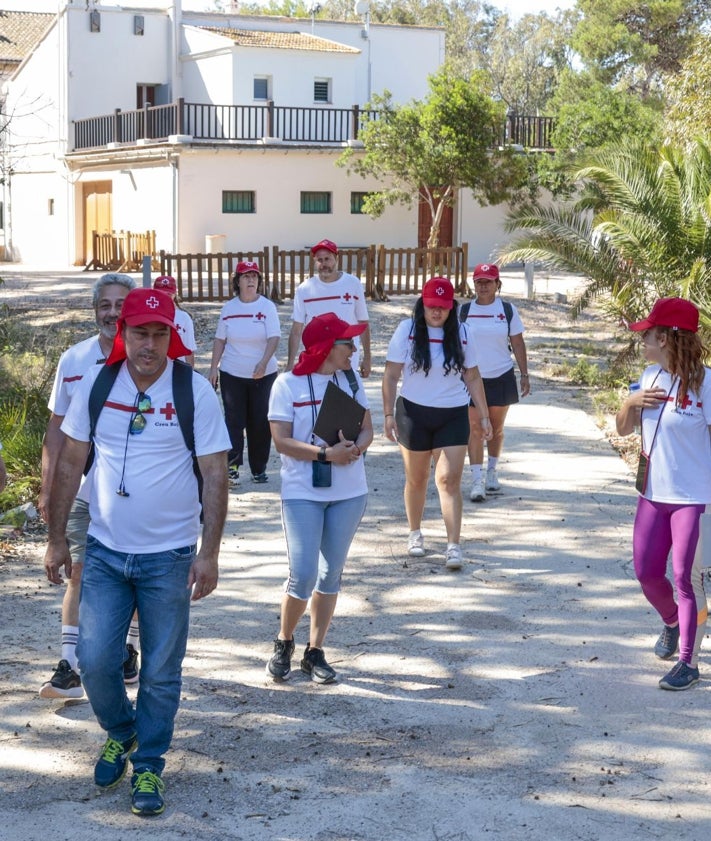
{"x": 635, "y": 387}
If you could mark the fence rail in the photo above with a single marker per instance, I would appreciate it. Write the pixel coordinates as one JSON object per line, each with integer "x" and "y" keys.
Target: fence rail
{"x": 384, "y": 271}
{"x": 235, "y": 123}
{"x": 121, "y": 250}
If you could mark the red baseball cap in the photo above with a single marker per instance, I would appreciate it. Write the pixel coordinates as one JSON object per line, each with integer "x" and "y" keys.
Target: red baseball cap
{"x": 247, "y": 266}
{"x": 319, "y": 336}
{"x": 438, "y": 292}
{"x": 327, "y": 244}
{"x": 488, "y": 270}
{"x": 677, "y": 313}
{"x": 145, "y": 306}
{"x": 166, "y": 283}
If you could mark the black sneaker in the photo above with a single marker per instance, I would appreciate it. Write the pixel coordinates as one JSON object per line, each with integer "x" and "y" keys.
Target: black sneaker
{"x": 682, "y": 676}
{"x": 147, "y": 793}
{"x": 64, "y": 683}
{"x": 314, "y": 664}
{"x": 260, "y": 478}
{"x": 111, "y": 765}
{"x": 130, "y": 665}
{"x": 279, "y": 666}
{"x": 668, "y": 643}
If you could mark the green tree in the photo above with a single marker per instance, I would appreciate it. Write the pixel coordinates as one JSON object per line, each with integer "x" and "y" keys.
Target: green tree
{"x": 425, "y": 151}
{"x": 640, "y": 229}
{"x": 689, "y": 95}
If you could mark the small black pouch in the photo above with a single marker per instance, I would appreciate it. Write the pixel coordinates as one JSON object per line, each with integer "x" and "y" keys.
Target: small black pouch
{"x": 642, "y": 472}
{"x": 321, "y": 474}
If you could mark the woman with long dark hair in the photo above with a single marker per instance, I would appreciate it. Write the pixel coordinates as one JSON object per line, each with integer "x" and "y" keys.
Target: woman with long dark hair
{"x": 432, "y": 353}
{"x": 673, "y": 407}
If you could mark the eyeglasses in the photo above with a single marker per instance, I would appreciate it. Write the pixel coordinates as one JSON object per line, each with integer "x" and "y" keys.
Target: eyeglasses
{"x": 138, "y": 421}
{"x": 349, "y": 342}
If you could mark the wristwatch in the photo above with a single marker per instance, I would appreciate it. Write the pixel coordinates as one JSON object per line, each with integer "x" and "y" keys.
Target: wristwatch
{"x": 322, "y": 455}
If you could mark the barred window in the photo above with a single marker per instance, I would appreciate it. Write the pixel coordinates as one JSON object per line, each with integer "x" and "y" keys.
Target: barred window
{"x": 322, "y": 90}
{"x": 357, "y": 200}
{"x": 238, "y": 201}
{"x": 315, "y": 202}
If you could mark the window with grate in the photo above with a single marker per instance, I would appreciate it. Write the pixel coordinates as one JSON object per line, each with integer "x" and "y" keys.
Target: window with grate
{"x": 357, "y": 200}
{"x": 261, "y": 87}
{"x": 315, "y": 202}
{"x": 322, "y": 90}
{"x": 238, "y": 201}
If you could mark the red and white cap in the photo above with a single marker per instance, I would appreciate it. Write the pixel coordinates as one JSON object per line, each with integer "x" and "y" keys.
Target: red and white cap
{"x": 319, "y": 336}
{"x": 677, "y": 313}
{"x": 486, "y": 270}
{"x": 438, "y": 292}
{"x": 146, "y": 306}
{"x": 166, "y": 283}
{"x": 247, "y": 266}
{"x": 327, "y": 244}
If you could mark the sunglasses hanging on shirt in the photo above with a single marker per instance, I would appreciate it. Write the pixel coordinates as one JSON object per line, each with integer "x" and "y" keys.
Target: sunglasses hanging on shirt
{"x": 136, "y": 425}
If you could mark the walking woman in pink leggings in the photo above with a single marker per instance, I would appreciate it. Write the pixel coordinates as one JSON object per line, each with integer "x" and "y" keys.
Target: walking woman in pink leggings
{"x": 673, "y": 408}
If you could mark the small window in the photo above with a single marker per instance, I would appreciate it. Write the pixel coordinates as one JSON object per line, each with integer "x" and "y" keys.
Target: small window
{"x": 315, "y": 202}
{"x": 322, "y": 90}
{"x": 50, "y": 207}
{"x": 238, "y": 201}
{"x": 94, "y": 21}
{"x": 357, "y": 200}
{"x": 261, "y": 87}
{"x": 139, "y": 25}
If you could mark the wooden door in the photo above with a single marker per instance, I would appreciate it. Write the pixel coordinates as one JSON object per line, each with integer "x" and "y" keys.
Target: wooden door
{"x": 97, "y": 213}
{"x": 424, "y": 223}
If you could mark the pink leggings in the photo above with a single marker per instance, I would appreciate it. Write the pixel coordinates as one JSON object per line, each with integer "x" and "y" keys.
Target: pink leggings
{"x": 659, "y": 527}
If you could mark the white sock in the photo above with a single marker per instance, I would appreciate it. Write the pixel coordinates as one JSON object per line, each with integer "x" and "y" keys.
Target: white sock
{"x": 476, "y": 470}
{"x": 492, "y": 462}
{"x": 70, "y": 634}
{"x": 132, "y": 637}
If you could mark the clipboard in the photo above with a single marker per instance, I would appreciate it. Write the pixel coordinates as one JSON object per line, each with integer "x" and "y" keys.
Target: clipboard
{"x": 338, "y": 411}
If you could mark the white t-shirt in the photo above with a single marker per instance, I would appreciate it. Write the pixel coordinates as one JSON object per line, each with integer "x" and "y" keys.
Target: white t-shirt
{"x": 489, "y": 332}
{"x": 186, "y": 329}
{"x": 246, "y": 328}
{"x": 162, "y": 511}
{"x": 433, "y": 389}
{"x": 680, "y": 458}
{"x": 291, "y": 401}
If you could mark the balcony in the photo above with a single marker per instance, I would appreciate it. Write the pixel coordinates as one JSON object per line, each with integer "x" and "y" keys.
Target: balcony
{"x": 257, "y": 123}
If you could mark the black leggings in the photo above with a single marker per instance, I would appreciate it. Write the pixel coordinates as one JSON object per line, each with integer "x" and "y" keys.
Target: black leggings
{"x": 246, "y": 403}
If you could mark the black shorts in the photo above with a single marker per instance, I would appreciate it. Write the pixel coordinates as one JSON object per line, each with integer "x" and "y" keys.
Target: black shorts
{"x": 500, "y": 391}
{"x": 424, "y": 428}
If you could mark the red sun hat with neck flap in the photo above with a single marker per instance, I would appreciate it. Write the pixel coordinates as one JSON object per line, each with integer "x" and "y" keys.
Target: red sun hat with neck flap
{"x": 319, "y": 336}
{"x": 677, "y": 313}
{"x": 438, "y": 292}
{"x": 147, "y": 306}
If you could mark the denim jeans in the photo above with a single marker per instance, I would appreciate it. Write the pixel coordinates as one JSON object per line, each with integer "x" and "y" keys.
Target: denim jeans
{"x": 113, "y": 585}
{"x": 318, "y": 538}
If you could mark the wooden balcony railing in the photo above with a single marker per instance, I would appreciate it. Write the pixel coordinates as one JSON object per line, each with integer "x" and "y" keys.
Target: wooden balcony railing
{"x": 247, "y": 123}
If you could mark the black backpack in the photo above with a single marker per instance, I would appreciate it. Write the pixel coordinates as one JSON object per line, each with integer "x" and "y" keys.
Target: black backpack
{"x": 508, "y": 312}
{"x": 184, "y": 408}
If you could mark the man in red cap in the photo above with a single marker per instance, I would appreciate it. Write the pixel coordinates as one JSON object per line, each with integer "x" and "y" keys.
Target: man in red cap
{"x": 141, "y": 543}
{"x": 108, "y": 296}
{"x": 330, "y": 290}
{"x": 183, "y": 322}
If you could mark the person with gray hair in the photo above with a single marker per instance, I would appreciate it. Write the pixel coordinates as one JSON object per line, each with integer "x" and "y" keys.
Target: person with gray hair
{"x": 107, "y": 299}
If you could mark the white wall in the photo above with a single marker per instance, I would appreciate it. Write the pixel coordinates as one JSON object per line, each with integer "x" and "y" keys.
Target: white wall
{"x": 277, "y": 177}
{"x": 38, "y": 237}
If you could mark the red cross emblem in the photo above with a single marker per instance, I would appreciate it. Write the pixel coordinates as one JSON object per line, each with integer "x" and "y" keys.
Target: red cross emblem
{"x": 168, "y": 410}
{"x": 501, "y": 316}
{"x": 259, "y": 316}
{"x": 347, "y": 296}
{"x": 152, "y": 302}
{"x": 686, "y": 403}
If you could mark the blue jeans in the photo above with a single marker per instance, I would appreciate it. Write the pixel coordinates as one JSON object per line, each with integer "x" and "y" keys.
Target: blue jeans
{"x": 113, "y": 585}
{"x": 318, "y": 537}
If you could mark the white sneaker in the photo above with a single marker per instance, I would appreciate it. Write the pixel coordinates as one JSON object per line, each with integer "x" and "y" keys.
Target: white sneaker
{"x": 416, "y": 544}
{"x": 492, "y": 481}
{"x": 477, "y": 493}
{"x": 453, "y": 558}
{"x": 233, "y": 476}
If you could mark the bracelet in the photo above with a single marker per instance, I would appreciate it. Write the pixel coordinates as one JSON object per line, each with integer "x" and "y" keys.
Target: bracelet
{"x": 388, "y": 416}
{"x": 524, "y": 375}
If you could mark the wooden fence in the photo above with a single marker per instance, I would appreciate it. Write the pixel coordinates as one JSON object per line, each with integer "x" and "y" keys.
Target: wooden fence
{"x": 121, "y": 251}
{"x": 385, "y": 271}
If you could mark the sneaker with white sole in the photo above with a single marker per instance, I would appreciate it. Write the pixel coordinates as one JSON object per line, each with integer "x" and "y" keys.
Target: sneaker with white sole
{"x": 477, "y": 492}
{"x": 416, "y": 544}
{"x": 64, "y": 683}
{"x": 492, "y": 482}
{"x": 682, "y": 676}
{"x": 453, "y": 558}
{"x": 233, "y": 475}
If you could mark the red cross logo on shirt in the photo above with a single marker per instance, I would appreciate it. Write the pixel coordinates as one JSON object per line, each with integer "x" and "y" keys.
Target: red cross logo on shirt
{"x": 686, "y": 403}
{"x": 168, "y": 410}
{"x": 501, "y": 316}
{"x": 259, "y": 316}
{"x": 347, "y": 296}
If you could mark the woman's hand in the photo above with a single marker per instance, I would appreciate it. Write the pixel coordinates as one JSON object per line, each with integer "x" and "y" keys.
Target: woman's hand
{"x": 390, "y": 428}
{"x": 212, "y": 377}
{"x": 487, "y": 431}
{"x": 344, "y": 451}
{"x": 259, "y": 370}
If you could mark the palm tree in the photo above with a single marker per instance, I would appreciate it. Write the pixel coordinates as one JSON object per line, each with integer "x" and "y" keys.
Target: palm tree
{"x": 639, "y": 230}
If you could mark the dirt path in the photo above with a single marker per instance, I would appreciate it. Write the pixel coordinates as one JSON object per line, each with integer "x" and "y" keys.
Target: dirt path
{"x": 516, "y": 699}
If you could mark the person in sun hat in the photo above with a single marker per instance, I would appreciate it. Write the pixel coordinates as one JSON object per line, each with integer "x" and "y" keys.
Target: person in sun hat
{"x": 183, "y": 322}
{"x": 673, "y": 408}
{"x": 108, "y": 294}
{"x": 323, "y": 489}
{"x": 142, "y": 538}
{"x": 496, "y": 329}
{"x": 433, "y": 354}
{"x": 246, "y": 340}
{"x": 330, "y": 290}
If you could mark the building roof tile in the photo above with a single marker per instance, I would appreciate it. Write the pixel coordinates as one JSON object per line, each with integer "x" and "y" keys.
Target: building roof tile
{"x": 19, "y": 32}
{"x": 280, "y": 40}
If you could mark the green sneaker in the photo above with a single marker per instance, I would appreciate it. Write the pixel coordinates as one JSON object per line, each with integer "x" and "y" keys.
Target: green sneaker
{"x": 147, "y": 793}
{"x": 111, "y": 765}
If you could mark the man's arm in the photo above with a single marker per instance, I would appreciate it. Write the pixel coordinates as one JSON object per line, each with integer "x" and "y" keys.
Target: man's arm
{"x": 365, "y": 351}
{"x": 51, "y": 445}
{"x": 65, "y": 484}
{"x": 297, "y": 328}
{"x": 204, "y": 571}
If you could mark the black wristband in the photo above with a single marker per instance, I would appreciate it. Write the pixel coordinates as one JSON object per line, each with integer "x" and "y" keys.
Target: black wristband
{"x": 322, "y": 455}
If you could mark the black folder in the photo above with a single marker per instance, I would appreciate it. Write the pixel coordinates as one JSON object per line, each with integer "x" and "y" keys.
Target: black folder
{"x": 338, "y": 411}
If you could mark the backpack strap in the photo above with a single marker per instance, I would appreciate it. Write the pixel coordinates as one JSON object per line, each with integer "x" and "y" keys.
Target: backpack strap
{"x": 464, "y": 311}
{"x": 184, "y": 402}
{"x": 352, "y": 381}
{"x": 98, "y": 395}
{"x": 508, "y": 312}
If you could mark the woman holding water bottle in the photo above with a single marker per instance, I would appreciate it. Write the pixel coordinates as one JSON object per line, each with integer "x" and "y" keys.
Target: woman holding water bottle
{"x": 672, "y": 405}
